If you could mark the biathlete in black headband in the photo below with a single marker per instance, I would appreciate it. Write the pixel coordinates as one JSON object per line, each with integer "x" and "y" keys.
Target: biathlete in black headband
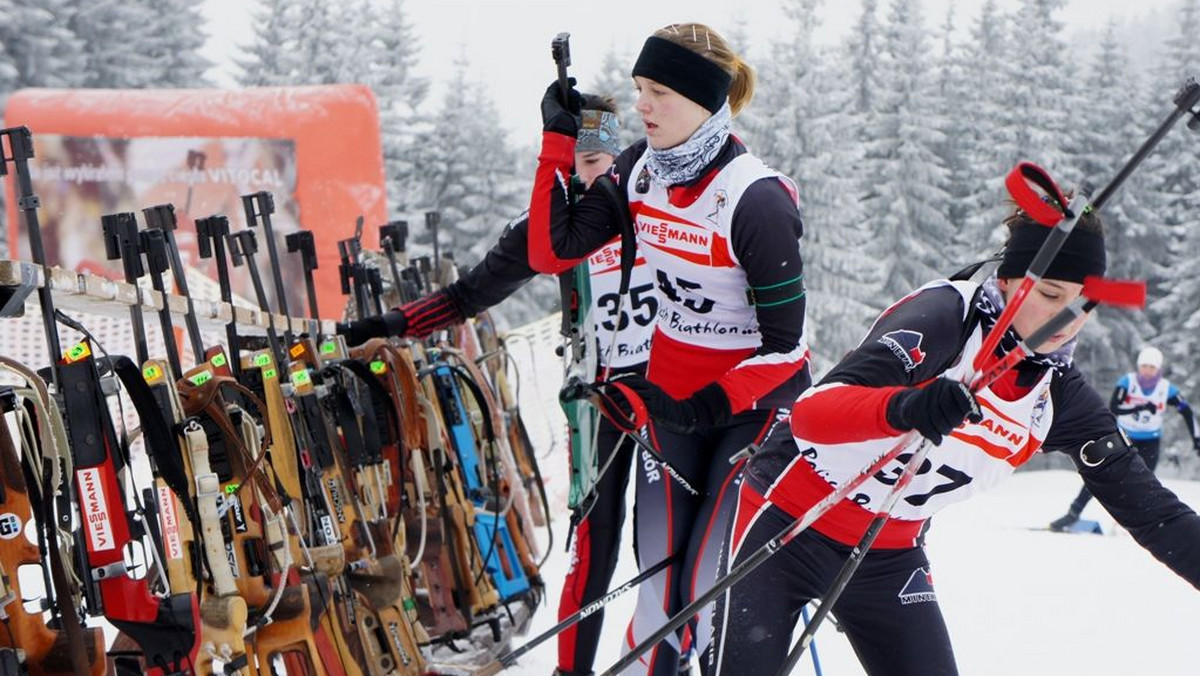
{"x": 907, "y": 375}
{"x": 721, "y": 232}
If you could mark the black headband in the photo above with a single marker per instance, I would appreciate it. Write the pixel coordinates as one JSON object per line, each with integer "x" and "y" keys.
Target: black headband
{"x": 685, "y": 71}
{"x": 1082, "y": 255}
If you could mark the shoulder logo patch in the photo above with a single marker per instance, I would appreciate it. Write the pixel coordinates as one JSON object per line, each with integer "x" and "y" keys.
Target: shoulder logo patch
{"x": 906, "y": 345}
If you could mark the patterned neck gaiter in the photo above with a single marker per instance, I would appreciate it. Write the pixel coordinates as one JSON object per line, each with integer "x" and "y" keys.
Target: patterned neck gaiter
{"x": 684, "y": 162}
{"x": 991, "y": 305}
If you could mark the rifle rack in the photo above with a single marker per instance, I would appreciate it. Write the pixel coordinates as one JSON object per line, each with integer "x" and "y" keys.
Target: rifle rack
{"x": 86, "y": 292}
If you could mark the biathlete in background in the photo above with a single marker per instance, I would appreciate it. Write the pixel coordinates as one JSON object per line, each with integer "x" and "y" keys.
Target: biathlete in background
{"x": 1139, "y": 401}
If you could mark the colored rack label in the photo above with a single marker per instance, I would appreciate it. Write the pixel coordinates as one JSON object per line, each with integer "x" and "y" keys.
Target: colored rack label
{"x": 78, "y": 352}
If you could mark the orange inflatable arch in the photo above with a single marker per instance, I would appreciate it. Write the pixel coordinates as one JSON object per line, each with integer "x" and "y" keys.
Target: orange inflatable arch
{"x": 330, "y": 135}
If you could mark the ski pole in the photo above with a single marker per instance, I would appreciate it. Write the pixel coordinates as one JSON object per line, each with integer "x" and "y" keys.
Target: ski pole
{"x": 510, "y": 658}
{"x": 1187, "y": 97}
{"x": 815, "y": 658}
{"x": 1032, "y": 203}
{"x": 856, "y": 556}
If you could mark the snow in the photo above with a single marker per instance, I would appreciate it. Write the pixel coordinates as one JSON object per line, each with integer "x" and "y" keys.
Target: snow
{"x": 1017, "y": 601}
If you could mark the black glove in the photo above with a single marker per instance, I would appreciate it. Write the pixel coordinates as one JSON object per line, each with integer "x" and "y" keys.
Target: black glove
{"x": 1148, "y": 407}
{"x": 1196, "y": 445}
{"x": 558, "y": 118}
{"x": 390, "y": 323}
{"x": 934, "y": 410}
{"x": 629, "y": 399}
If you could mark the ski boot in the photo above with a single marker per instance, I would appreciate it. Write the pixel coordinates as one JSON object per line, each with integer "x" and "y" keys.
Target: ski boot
{"x": 1065, "y": 521}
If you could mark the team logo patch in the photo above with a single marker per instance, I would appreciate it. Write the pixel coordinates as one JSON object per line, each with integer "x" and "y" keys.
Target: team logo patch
{"x": 720, "y": 199}
{"x": 1039, "y": 409}
{"x": 918, "y": 589}
{"x": 642, "y": 185}
{"x": 906, "y": 345}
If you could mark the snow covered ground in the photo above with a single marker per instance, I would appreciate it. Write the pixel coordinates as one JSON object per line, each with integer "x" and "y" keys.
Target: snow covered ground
{"x": 1017, "y": 601}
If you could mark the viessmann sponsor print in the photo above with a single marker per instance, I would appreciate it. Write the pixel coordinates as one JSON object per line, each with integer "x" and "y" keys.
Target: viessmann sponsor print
{"x": 94, "y": 504}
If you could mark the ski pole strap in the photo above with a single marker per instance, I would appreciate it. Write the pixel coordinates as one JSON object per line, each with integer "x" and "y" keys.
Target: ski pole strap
{"x": 776, "y": 294}
{"x": 620, "y": 203}
{"x": 1047, "y": 210}
{"x": 639, "y": 414}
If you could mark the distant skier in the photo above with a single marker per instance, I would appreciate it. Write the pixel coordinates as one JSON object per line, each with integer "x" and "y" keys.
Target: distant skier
{"x": 1139, "y": 402}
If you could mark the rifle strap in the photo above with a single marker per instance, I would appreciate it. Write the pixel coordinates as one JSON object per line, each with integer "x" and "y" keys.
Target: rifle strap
{"x": 203, "y": 398}
{"x": 620, "y": 203}
{"x": 208, "y": 496}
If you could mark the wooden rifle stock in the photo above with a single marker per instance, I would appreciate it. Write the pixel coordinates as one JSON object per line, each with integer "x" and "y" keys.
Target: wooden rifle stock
{"x": 47, "y": 651}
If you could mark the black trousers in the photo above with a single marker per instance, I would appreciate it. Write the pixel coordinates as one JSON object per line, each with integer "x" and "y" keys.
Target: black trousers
{"x": 888, "y": 610}
{"x": 668, "y": 521}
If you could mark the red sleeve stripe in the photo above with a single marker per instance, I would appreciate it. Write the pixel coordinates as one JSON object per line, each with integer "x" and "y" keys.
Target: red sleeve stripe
{"x": 745, "y": 383}
{"x": 838, "y": 414}
{"x": 554, "y": 168}
{"x": 426, "y": 315}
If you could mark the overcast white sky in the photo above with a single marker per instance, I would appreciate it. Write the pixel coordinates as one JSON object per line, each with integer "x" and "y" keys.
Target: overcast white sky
{"x": 507, "y": 42}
